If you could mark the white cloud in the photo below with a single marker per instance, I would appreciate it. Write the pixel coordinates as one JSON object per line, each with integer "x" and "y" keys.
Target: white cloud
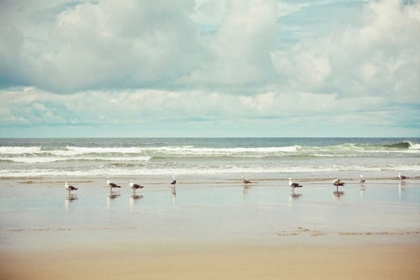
{"x": 209, "y": 12}
{"x": 378, "y": 57}
{"x": 112, "y": 44}
{"x": 138, "y": 62}
{"x": 137, "y": 106}
{"x": 239, "y": 53}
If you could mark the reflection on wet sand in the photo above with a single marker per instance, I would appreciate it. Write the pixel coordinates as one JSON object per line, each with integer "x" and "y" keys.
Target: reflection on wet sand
{"x": 69, "y": 199}
{"x": 400, "y": 189}
{"x": 245, "y": 190}
{"x": 362, "y": 192}
{"x": 134, "y": 199}
{"x": 173, "y": 191}
{"x": 338, "y": 194}
{"x": 111, "y": 195}
{"x": 294, "y": 196}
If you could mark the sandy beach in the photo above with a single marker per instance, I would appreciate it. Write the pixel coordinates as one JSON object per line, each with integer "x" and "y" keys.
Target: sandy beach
{"x": 210, "y": 226}
{"x": 208, "y": 262}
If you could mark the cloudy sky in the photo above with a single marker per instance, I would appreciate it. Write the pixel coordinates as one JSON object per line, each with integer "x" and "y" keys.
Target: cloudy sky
{"x": 207, "y": 68}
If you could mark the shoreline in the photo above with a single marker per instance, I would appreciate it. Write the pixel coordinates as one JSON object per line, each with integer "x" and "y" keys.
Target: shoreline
{"x": 220, "y": 178}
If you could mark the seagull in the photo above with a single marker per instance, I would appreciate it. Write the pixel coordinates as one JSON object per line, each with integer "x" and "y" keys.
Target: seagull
{"x": 362, "y": 180}
{"x": 69, "y": 188}
{"x": 337, "y": 182}
{"x": 246, "y": 181}
{"x": 111, "y": 184}
{"x": 135, "y": 186}
{"x": 173, "y": 183}
{"x": 402, "y": 177}
{"x": 294, "y": 185}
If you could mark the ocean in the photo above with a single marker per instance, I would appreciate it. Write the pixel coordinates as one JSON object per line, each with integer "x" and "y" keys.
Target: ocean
{"x": 296, "y": 157}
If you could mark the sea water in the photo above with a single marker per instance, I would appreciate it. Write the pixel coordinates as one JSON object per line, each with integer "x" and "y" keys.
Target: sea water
{"x": 311, "y": 157}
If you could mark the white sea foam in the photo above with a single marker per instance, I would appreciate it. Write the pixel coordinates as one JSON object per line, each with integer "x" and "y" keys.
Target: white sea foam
{"x": 20, "y": 150}
{"x": 56, "y": 159}
{"x": 190, "y": 151}
{"x": 203, "y": 170}
{"x": 414, "y": 146}
{"x": 185, "y": 150}
{"x": 33, "y": 159}
{"x": 204, "y": 151}
{"x": 74, "y": 151}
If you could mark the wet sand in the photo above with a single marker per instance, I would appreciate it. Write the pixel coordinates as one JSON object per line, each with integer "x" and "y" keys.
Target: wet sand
{"x": 216, "y": 262}
{"x": 209, "y": 228}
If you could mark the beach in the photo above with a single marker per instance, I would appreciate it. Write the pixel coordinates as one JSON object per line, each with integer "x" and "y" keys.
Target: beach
{"x": 229, "y": 262}
{"x": 209, "y": 226}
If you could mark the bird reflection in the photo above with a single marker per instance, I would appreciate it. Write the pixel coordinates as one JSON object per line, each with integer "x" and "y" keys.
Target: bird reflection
{"x": 338, "y": 194}
{"x": 400, "y": 190}
{"x": 362, "y": 192}
{"x": 70, "y": 198}
{"x": 294, "y": 196}
{"x": 173, "y": 191}
{"x": 134, "y": 198}
{"x": 245, "y": 190}
{"x": 111, "y": 195}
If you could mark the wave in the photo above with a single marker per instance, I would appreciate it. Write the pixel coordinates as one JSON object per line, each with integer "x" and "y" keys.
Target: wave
{"x": 403, "y": 145}
{"x": 52, "y": 154}
{"x": 19, "y": 150}
{"x": 56, "y": 159}
{"x": 184, "y": 151}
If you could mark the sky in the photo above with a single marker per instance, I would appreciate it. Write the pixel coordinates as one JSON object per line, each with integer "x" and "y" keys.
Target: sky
{"x": 209, "y": 68}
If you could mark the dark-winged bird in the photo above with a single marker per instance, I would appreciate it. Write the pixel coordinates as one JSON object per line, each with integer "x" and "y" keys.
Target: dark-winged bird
{"x": 246, "y": 181}
{"x": 111, "y": 185}
{"x": 173, "y": 183}
{"x": 294, "y": 185}
{"x": 69, "y": 188}
{"x": 135, "y": 186}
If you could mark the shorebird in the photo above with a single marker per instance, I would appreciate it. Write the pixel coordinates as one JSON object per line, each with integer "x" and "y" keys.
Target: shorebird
{"x": 69, "y": 188}
{"x": 135, "y": 186}
{"x": 294, "y": 185}
{"x": 362, "y": 180}
{"x": 402, "y": 177}
{"x": 112, "y": 185}
{"x": 173, "y": 183}
{"x": 246, "y": 181}
{"x": 337, "y": 182}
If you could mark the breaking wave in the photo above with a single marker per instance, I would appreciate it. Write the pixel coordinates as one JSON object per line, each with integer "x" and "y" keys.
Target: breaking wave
{"x": 39, "y": 154}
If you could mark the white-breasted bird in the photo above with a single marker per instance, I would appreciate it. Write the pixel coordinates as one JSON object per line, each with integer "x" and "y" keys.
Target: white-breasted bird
{"x": 173, "y": 183}
{"x": 111, "y": 185}
{"x": 402, "y": 177}
{"x": 246, "y": 181}
{"x": 69, "y": 188}
{"x": 135, "y": 186}
{"x": 294, "y": 185}
{"x": 362, "y": 179}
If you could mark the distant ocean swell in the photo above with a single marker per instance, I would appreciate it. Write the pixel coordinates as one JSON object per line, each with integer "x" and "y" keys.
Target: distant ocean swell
{"x": 98, "y": 157}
